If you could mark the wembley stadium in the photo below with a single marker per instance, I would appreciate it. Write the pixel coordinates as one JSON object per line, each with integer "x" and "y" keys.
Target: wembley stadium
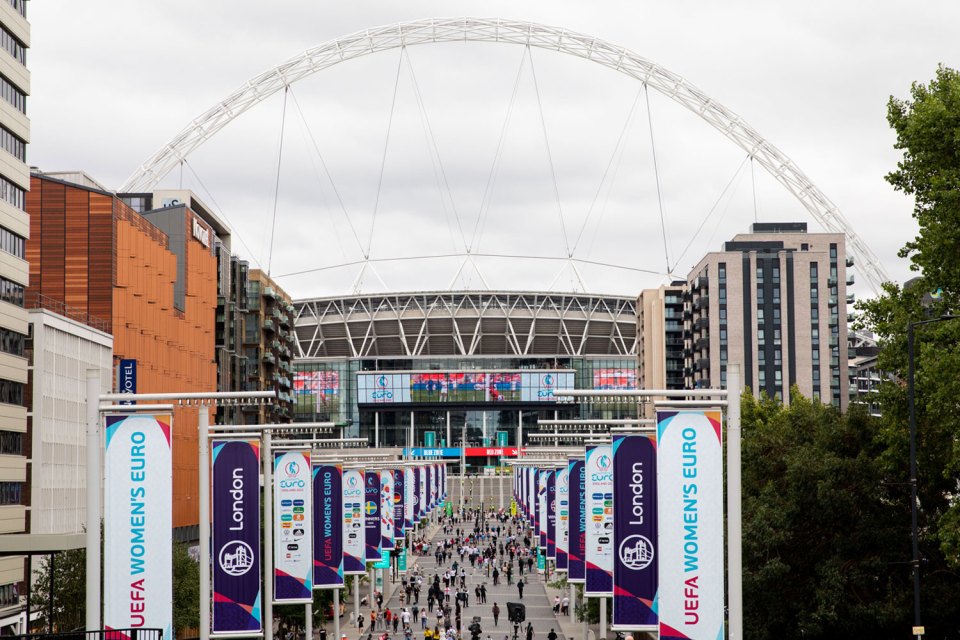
{"x": 458, "y": 368}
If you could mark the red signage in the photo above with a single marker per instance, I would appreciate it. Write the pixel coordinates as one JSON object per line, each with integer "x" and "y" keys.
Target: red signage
{"x": 492, "y": 451}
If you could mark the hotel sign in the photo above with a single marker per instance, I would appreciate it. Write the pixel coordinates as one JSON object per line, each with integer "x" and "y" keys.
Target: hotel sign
{"x": 201, "y": 233}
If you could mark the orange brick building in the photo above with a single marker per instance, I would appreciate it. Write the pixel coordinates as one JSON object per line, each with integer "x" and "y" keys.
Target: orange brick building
{"x": 91, "y": 251}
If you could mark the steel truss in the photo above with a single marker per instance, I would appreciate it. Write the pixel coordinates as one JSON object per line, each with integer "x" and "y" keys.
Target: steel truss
{"x": 466, "y": 324}
{"x": 434, "y": 30}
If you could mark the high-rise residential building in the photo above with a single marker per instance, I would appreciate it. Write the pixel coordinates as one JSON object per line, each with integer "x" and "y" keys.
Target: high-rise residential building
{"x": 267, "y": 348}
{"x": 660, "y": 326}
{"x": 14, "y": 272}
{"x": 773, "y": 300}
{"x": 152, "y": 278}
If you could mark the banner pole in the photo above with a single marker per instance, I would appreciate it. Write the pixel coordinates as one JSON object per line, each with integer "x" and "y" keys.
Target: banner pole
{"x": 267, "y": 534}
{"x": 734, "y": 514}
{"x": 336, "y": 614}
{"x": 93, "y": 500}
{"x": 204, "y": 527}
{"x": 308, "y": 621}
{"x": 603, "y": 618}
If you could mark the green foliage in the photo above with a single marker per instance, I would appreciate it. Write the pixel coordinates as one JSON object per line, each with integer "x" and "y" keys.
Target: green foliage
{"x": 928, "y": 132}
{"x": 186, "y": 590}
{"x": 69, "y": 590}
{"x": 820, "y": 537}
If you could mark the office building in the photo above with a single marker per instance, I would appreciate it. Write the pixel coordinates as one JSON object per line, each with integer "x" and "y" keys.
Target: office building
{"x": 660, "y": 327}
{"x": 268, "y": 343}
{"x": 14, "y": 229}
{"x": 775, "y": 301}
{"x": 151, "y": 277}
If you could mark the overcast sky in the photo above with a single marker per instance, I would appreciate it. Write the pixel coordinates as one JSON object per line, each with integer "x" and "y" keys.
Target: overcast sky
{"x": 114, "y": 81}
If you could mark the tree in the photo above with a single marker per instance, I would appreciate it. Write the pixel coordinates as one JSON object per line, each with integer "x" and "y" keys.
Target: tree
{"x": 186, "y": 590}
{"x": 69, "y": 589}
{"x": 928, "y": 132}
{"x": 820, "y": 539}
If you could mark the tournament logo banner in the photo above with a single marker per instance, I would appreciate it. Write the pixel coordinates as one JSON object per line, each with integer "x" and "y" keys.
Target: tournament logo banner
{"x": 423, "y": 506}
{"x": 576, "y": 567}
{"x": 430, "y": 488}
{"x": 399, "y": 503}
{"x": 690, "y": 497}
{"x": 408, "y": 498}
{"x": 138, "y": 496}
{"x": 533, "y": 512}
{"x": 371, "y": 510}
{"x": 293, "y": 527}
{"x": 563, "y": 518}
{"x": 417, "y": 494}
{"x": 353, "y": 523}
{"x": 599, "y": 511}
{"x": 327, "y": 527}
{"x": 551, "y": 515}
{"x": 235, "y": 493}
{"x": 542, "y": 508}
{"x": 635, "y": 532}
{"x": 386, "y": 511}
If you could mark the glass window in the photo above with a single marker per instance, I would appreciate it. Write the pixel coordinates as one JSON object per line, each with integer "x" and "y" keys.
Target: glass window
{"x": 13, "y": 46}
{"x": 13, "y": 95}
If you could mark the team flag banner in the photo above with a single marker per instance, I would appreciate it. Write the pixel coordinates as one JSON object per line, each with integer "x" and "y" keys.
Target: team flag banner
{"x": 353, "y": 523}
{"x": 371, "y": 509}
{"x": 386, "y": 511}
{"x": 408, "y": 498}
{"x": 138, "y": 500}
{"x": 552, "y": 515}
{"x": 399, "y": 501}
{"x": 690, "y": 496}
{"x": 599, "y": 507}
{"x": 327, "y": 526}
{"x": 235, "y": 493}
{"x": 576, "y": 567}
{"x": 293, "y": 527}
{"x": 563, "y": 518}
{"x": 422, "y": 497}
{"x": 635, "y": 532}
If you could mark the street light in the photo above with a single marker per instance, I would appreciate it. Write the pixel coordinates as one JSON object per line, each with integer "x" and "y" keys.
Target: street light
{"x": 913, "y": 461}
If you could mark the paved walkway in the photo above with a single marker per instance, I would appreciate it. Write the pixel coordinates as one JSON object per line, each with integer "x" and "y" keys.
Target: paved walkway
{"x": 539, "y": 610}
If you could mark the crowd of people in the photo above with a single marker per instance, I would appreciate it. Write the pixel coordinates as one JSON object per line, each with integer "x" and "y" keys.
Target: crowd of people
{"x": 493, "y": 546}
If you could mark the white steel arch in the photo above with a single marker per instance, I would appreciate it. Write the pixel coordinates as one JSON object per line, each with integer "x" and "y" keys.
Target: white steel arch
{"x": 434, "y": 30}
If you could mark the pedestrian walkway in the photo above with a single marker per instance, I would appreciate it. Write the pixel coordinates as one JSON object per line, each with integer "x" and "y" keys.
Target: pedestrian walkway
{"x": 539, "y": 610}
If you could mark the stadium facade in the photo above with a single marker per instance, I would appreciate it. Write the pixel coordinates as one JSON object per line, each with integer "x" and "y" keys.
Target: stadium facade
{"x": 459, "y": 368}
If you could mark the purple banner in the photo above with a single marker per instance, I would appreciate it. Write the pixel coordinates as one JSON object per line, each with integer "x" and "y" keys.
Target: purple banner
{"x": 327, "y": 526}
{"x": 371, "y": 510}
{"x": 576, "y": 569}
{"x": 399, "y": 498}
{"x": 635, "y": 532}
{"x": 428, "y": 506}
{"x": 551, "y": 515}
{"x": 236, "y": 536}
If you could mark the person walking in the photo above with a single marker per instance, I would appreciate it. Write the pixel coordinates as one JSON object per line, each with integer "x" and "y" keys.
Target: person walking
{"x": 483, "y": 593}
{"x": 520, "y": 589}
{"x": 552, "y": 635}
{"x": 496, "y": 613}
{"x": 529, "y": 635}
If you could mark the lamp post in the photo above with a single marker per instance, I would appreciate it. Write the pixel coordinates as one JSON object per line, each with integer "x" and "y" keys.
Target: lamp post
{"x": 911, "y": 403}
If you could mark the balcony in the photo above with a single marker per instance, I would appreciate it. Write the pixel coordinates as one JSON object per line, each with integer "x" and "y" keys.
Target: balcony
{"x": 832, "y": 301}
{"x": 702, "y": 302}
{"x": 849, "y": 261}
{"x": 268, "y": 325}
{"x": 269, "y": 358}
{"x": 851, "y": 298}
{"x": 850, "y": 279}
{"x": 702, "y": 364}
{"x": 701, "y": 323}
{"x": 703, "y": 343}
{"x": 275, "y": 344}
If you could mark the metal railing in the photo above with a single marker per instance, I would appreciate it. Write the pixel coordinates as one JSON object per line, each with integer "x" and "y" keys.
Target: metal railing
{"x": 39, "y": 301}
{"x": 98, "y": 634}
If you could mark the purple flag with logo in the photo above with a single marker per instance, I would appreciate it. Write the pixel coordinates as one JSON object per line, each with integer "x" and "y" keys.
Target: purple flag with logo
{"x": 354, "y": 522}
{"x": 399, "y": 498}
{"x": 327, "y": 526}
{"x": 576, "y": 568}
{"x": 635, "y": 532}
{"x": 417, "y": 482}
{"x": 551, "y": 515}
{"x": 236, "y": 536}
{"x": 371, "y": 510}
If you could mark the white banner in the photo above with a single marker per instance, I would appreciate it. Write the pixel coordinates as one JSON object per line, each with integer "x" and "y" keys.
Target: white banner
{"x": 690, "y": 499}
{"x": 563, "y": 516}
{"x": 599, "y": 517}
{"x": 137, "y": 521}
{"x": 353, "y": 523}
{"x": 387, "y": 532}
{"x": 293, "y": 527}
{"x": 408, "y": 497}
{"x": 542, "y": 508}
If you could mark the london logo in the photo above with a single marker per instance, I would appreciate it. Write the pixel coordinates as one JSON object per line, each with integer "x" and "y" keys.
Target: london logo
{"x": 636, "y": 552}
{"x": 292, "y": 469}
{"x": 236, "y": 558}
